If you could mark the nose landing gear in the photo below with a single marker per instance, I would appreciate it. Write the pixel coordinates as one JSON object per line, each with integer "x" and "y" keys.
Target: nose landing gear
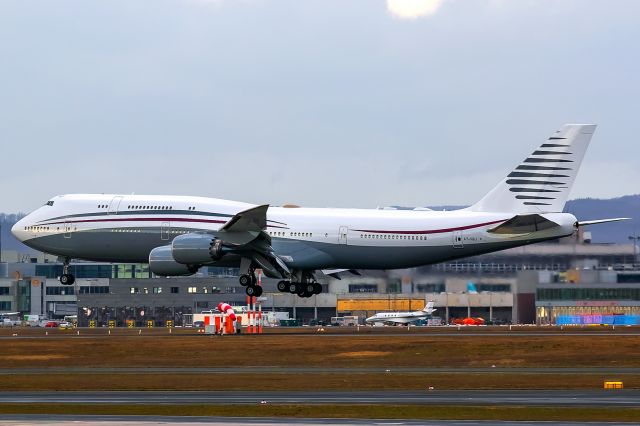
{"x": 66, "y": 278}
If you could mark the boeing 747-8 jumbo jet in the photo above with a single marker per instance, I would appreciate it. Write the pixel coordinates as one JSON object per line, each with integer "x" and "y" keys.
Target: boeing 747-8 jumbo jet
{"x": 179, "y": 234}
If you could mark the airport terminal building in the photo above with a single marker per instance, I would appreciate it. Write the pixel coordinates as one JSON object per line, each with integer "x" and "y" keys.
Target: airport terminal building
{"x": 540, "y": 283}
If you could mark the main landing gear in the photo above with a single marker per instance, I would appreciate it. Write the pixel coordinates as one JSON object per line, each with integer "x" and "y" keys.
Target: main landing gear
{"x": 306, "y": 288}
{"x": 251, "y": 283}
{"x": 66, "y": 278}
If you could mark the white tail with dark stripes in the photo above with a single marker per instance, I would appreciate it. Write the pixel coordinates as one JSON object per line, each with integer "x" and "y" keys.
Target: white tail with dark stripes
{"x": 542, "y": 182}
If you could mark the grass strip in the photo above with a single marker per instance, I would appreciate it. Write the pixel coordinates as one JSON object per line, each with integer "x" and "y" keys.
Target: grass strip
{"x": 513, "y": 413}
{"x": 308, "y": 381}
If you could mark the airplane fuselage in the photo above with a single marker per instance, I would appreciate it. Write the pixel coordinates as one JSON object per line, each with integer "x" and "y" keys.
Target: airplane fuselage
{"x": 125, "y": 228}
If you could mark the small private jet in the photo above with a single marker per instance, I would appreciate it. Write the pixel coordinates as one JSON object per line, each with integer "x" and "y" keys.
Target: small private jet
{"x": 402, "y": 317}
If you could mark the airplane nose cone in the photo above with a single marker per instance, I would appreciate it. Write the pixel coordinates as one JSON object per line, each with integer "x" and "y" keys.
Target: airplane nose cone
{"x": 18, "y": 230}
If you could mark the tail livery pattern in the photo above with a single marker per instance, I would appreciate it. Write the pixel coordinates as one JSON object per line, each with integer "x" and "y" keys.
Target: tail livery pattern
{"x": 542, "y": 182}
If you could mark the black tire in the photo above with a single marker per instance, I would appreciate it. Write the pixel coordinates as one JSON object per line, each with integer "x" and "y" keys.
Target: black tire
{"x": 283, "y": 286}
{"x": 250, "y": 290}
{"x": 309, "y": 288}
{"x": 293, "y": 288}
{"x": 245, "y": 280}
{"x": 258, "y": 291}
{"x": 67, "y": 279}
{"x": 317, "y": 288}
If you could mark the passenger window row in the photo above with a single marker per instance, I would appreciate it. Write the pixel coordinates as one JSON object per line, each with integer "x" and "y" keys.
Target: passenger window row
{"x": 132, "y": 207}
{"x": 393, "y": 237}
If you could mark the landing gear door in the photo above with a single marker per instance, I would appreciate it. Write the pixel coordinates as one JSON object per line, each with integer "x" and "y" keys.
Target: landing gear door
{"x": 165, "y": 230}
{"x": 457, "y": 239}
{"x": 114, "y": 205}
{"x": 342, "y": 235}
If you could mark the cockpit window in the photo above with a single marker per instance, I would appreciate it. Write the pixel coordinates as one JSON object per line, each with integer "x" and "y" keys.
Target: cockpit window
{"x": 49, "y": 203}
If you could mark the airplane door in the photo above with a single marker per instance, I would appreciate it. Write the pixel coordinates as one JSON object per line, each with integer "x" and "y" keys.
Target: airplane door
{"x": 67, "y": 230}
{"x": 164, "y": 231}
{"x": 457, "y": 239}
{"x": 114, "y": 204}
{"x": 342, "y": 235}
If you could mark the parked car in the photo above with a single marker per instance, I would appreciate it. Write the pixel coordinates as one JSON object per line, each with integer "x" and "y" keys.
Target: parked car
{"x": 198, "y": 324}
{"x": 51, "y": 324}
{"x": 65, "y": 325}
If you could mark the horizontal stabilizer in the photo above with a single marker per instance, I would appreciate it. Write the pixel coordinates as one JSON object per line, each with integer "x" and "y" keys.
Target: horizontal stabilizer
{"x": 596, "y": 222}
{"x": 524, "y": 224}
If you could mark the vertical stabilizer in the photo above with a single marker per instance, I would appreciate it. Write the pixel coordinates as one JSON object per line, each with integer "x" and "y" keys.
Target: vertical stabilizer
{"x": 542, "y": 182}
{"x": 429, "y": 308}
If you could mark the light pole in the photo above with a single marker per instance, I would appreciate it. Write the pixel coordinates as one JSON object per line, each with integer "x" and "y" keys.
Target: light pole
{"x": 634, "y": 239}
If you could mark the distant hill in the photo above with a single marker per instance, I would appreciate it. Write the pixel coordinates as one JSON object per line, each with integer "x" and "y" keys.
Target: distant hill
{"x": 583, "y": 209}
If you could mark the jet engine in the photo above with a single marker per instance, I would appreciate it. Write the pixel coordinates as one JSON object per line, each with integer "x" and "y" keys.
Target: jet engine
{"x": 161, "y": 262}
{"x": 197, "y": 249}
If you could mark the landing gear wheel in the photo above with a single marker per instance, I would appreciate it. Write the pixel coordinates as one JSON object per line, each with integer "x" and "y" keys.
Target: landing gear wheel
{"x": 245, "y": 280}
{"x": 258, "y": 291}
{"x": 251, "y": 290}
{"x": 317, "y": 288}
{"x": 67, "y": 279}
{"x": 309, "y": 288}
{"x": 282, "y": 286}
{"x": 293, "y": 288}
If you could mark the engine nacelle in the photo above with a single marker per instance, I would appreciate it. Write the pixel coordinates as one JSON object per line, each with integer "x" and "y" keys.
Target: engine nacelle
{"x": 197, "y": 249}
{"x": 161, "y": 262}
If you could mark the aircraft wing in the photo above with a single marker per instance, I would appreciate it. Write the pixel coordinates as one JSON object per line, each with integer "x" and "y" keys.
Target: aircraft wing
{"x": 245, "y": 234}
{"x": 335, "y": 273}
{"x": 245, "y": 226}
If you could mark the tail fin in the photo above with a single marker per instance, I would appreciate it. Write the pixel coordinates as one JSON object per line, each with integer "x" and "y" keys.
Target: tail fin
{"x": 542, "y": 182}
{"x": 429, "y": 307}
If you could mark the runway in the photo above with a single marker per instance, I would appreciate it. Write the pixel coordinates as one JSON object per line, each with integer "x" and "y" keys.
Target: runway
{"x": 83, "y": 420}
{"x": 565, "y": 398}
{"x": 318, "y": 370}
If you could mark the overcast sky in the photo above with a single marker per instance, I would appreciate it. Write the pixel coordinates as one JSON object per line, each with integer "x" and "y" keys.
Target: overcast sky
{"x": 319, "y": 103}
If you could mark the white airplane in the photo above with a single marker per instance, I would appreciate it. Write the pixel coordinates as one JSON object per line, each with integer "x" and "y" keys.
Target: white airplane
{"x": 402, "y": 317}
{"x": 179, "y": 234}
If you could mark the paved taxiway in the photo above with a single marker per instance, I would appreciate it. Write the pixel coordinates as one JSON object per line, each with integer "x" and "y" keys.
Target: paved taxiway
{"x": 83, "y": 420}
{"x": 564, "y": 398}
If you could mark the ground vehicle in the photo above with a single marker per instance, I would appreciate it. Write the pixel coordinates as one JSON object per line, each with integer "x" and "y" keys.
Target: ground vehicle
{"x": 51, "y": 324}
{"x": 198, "y": 324}
{"x": 9, "y": 319}
{"x": 65, "y": 325}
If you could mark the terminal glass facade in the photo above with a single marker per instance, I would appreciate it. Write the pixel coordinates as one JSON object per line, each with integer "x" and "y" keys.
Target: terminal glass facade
{"x": 588, "y": 294}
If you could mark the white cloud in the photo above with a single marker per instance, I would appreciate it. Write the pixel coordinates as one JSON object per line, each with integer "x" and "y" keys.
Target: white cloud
{"x": 413, "y": 9}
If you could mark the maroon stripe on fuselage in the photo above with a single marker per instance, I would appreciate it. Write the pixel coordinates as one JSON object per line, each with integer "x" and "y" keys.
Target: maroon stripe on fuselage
{"x": 147, "y": 219}
{"x": 431, "y": 231}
